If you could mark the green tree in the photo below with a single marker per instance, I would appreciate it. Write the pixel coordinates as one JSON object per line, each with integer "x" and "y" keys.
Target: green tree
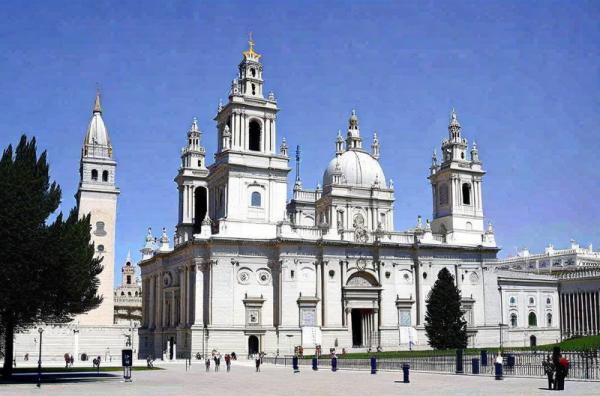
{"x": 48, "y": 270}
{"x": 444, "y": 323}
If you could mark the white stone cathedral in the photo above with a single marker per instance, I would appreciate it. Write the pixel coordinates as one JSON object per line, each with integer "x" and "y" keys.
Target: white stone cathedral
{"x": 252, "y": 272}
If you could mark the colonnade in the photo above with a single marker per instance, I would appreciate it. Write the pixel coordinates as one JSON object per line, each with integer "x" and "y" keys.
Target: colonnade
{"x": 580, "y": 313}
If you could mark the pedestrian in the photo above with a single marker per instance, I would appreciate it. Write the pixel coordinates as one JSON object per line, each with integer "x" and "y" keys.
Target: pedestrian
{"x": 561, "y": 372}
{"x": 549, "y": 371}
{"x": 228, "y": 362}
{"x": 67, "y": 360}
{"x": 555, "y": 362}
{"x": 26, "y": 358}
{"x": 257, "y": 361}
{"x": 207, "y": 363}
{"x": 215, "y": 360}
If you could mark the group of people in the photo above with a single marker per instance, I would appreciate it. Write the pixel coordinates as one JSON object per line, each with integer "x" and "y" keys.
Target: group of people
{"x": 216, "y": 357}
{"x": 556, "y": 368}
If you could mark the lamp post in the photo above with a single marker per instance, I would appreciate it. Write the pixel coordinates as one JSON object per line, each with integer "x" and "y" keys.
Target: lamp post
{"x": 39, "y": 382}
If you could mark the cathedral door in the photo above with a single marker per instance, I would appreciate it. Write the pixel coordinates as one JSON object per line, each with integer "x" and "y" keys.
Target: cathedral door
{"x": 357, "y": 336}
{"x": 252, "y": 345}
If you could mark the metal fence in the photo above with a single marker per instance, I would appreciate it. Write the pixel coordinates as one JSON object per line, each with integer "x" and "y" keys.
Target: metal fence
{"x": 582, "y": 365}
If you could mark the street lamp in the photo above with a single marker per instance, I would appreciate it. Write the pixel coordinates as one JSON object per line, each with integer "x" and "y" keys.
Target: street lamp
{"x": 39, "y": 382}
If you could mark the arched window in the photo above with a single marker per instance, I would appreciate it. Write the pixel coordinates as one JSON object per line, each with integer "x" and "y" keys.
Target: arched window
{"x": 105, "y": 176}
{"x": 466, "y": 193}
{"x": 253, "y": 72}
{"x": 129, "y": 294}
{"x": 444, "y": 194}
{"x": 549, "y": 319}
{"x": 255, "y": 199}
{"x": 513, "y": 301}
{"x": 94, "y": 175}
{"x": 513, "y": 320}
{"x": 122, "y": 293}
{"x": 254, "y": 136}
{"x": 469, "y": 226}
{"x": 532, "y": 341}
{"x": 253, "y": 89}
{"x": 532, "y": 319}
{"x": 129, "y": 279}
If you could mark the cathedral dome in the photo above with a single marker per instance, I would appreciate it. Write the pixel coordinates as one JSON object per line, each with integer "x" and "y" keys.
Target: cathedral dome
{"x": 357, "y": 168}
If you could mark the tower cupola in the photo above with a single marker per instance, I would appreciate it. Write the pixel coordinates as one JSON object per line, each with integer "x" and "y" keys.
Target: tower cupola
{"x": 353, "y": 139}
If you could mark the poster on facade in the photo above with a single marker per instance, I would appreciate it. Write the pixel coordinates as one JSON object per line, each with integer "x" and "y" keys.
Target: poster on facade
{"x": 311, "y": 336}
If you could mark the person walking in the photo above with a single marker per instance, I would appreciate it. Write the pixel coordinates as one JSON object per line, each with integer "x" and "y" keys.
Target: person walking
{"x": 549, "y": 371}
{"x": 207, "y": 363}
{"x": 228, "y": 362}
{"x": 257, "y": 362}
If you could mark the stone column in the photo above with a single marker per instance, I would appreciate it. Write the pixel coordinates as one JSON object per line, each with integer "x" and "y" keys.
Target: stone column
{"x": 199, "y": 293}
{"x": 342, "y": 292}
{"x": 324, "y": 291}
{"x": 181, "y": 294}
{"x": 318, "y": 266}
{"x": 151, "y": 301}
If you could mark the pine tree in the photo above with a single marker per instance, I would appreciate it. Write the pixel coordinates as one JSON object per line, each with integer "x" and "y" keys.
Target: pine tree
{"x": 444, "y": 323}
{"x": 48, "y": 270}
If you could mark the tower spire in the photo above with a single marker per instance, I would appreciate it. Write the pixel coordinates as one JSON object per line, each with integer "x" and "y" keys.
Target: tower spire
{"x": 298, "y": 183}
{"x": 97, "y": 105}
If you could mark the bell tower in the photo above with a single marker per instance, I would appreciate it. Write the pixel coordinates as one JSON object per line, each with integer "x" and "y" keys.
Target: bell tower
{"x": 248, "y": 181}
{"x": 97, "y": 196}
{"x": 193, "y": 187}
{"x": 456, "y": 190}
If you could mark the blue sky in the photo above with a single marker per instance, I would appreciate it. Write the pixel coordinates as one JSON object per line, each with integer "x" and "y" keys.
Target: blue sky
{"x": 523, "y": 77}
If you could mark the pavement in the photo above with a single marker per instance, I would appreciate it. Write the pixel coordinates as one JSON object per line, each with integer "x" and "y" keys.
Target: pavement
{"x": 278, "y": 380}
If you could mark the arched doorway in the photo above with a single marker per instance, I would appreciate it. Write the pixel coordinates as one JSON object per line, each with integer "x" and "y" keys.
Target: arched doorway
{"x": 361, "y": 295}
{"x": 254, "y": 136}
{"x": 252, "y": 345}
{"x": 200, "y": 208}
{"x": 532, "y": 341}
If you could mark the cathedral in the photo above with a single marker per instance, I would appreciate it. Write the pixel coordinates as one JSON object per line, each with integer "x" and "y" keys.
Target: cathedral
{"x": 250, "y": 271}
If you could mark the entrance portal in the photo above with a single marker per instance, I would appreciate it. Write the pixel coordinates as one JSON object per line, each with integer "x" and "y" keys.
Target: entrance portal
{"x": 363, "y": 327}
{"x": 252, "y": 345}
{"x": 532, "y": 341}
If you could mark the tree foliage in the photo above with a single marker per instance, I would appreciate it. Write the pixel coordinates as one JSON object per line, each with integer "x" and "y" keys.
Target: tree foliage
{"x": 444, "y": 322}
{"x": 48, "y": 270}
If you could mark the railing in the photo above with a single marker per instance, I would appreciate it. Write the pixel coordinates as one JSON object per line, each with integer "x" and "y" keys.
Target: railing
{"x": 582, "y": 365}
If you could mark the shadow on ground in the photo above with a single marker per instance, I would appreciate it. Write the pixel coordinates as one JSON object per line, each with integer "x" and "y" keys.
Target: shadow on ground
{"x": 59, "y": 378}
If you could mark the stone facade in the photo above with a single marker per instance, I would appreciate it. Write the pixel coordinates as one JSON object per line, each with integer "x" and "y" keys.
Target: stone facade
{"x": 577, "y": 271}
{"x": 250, "y": 273}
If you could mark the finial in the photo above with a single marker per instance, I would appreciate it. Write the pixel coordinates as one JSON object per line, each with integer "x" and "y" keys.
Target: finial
{"x": 128, "y": 259}
{"x": 250, "y": 53}
{"x": 97, "y": 105}
{"x": 220, "y": 105}
{"x": 194, "y": 127}
{"x": 149, "y": 237}
{"x": 283, "y": 149}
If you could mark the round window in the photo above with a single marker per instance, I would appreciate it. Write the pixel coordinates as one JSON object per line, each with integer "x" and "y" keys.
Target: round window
{"x": 387, "y": 274}
{"x": 331, "y": 273}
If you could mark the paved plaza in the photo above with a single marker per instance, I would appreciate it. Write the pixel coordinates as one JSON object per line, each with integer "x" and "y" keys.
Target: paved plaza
{"x": 243, "y": 380}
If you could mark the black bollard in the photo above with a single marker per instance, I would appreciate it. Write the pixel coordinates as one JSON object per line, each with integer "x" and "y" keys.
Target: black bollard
{"x": 475, "y": 366}
{"x": 334, "y": 364}
{"x": 373, "y": 365}
{"x": 459, "y": 361}
{"x": 498, "y": 368}
{"x": 406, "y": 372}
{"x": 295, "y": 364}
{"x": 315, "y": 364}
